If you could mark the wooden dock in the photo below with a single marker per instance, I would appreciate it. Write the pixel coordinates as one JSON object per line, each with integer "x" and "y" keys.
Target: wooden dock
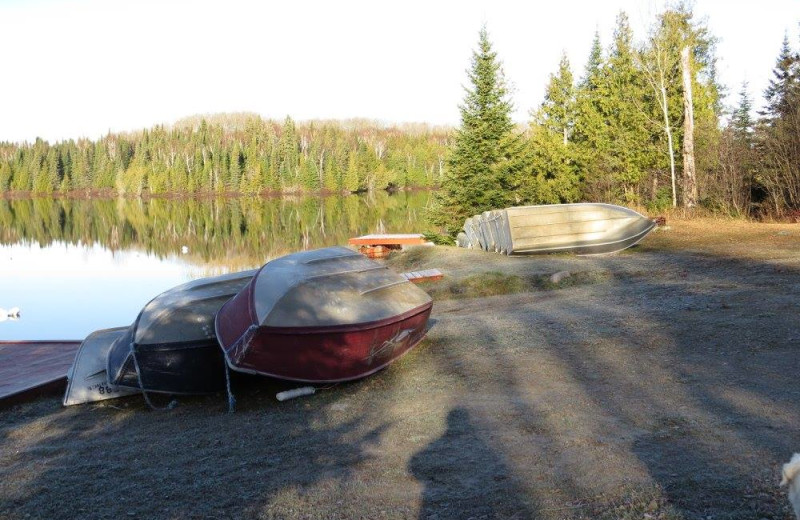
{"x": 32, "y": 368}
{"x": 379, "y": 246}
{"x": 410, "y": 239}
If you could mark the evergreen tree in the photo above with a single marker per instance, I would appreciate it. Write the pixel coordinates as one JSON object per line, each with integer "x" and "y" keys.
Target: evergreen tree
{"x": 779, "y": 175}
{"x": 309, "y": 177}
{"x": 632, "y": 154}
{"x": 741, "y": 120}
{"x": 235, "y": 169}
{"x": 734, "y": 183}
{"x": 485, "y": 148}
{"x": 550, "y": 175}
{"x": 591, "y": 76}
{"x": 350, "y": 181}
{"x": 613, "y": 144}
{"x": 558, "y": 109}
{"x": 5, "y": 176}
{"x": 288, "y": 158}
{"x": 778, "y": 94}
{"x": 591, "y": 131}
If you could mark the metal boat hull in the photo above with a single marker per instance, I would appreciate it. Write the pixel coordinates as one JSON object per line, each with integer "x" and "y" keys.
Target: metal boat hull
{"x": 195, "y": 367}
{"x": 87, "y": 380}
{"x": 583, "y": 229}
{"x": 328, "y": 339}
{"x": 171, "y": 348}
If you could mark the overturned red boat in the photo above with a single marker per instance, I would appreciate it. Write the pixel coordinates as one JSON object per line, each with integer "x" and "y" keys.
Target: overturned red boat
{"x": 318, "y": 316}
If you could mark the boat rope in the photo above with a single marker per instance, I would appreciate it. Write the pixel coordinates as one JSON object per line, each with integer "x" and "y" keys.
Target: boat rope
{"x": 236, "y": 352}
{"x": 147, "y": 400}
{"x": 231, "y": 398}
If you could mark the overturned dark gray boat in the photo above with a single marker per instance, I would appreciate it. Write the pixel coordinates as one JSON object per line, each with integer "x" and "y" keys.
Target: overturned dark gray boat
{"x": 171, "y": 347}
{"x": 583, "y": 229}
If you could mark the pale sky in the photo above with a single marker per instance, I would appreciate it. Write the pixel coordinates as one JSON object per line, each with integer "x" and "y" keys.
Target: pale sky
{"x": 79, "y": 68}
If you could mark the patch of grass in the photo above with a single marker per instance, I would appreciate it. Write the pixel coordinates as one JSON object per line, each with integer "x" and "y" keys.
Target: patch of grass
{"x": 478, "y": 285}
{"x": 494, "y": 283}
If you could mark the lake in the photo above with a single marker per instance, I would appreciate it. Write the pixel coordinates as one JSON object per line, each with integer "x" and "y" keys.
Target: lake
{"x": 75, "y": 266}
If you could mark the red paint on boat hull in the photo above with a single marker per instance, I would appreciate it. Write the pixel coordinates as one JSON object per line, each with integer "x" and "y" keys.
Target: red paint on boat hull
{"x": 314, "y": 354}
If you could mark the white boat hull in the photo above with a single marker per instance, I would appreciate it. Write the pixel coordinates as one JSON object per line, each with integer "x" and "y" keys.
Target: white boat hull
{"x": 87, "y": 380}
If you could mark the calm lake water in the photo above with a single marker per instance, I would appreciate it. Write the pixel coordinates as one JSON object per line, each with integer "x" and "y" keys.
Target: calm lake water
{"x": 75, "y": 266}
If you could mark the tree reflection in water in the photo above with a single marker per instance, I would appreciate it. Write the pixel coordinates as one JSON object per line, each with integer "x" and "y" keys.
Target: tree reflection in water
{"x": 219, "y": 231}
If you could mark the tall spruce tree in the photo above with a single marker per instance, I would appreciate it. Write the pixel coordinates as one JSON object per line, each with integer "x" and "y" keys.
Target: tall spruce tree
{"x": 739, "y": 165}
{"x": 551, "y": 175}
{"x": 611, "y": 136}
{"x": 741, "y": 119}
{"x": 779, "y": 177}
{"x": 558, "y": 108}
{"x": 591, "y": 77}
{"x": 784, "y": 78}
{"x": 591, "y": 134}
{"x": 485, "y": 151}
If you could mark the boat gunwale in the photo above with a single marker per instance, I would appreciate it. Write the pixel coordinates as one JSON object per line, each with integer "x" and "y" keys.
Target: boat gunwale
{"x": 349, "y": 327}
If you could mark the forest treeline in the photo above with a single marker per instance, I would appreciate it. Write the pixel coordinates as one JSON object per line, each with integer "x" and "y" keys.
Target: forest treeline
{"x": 231, "y": 154}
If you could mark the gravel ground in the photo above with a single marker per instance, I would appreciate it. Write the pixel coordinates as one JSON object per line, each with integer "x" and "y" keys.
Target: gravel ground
{"x": 656, "y": 383}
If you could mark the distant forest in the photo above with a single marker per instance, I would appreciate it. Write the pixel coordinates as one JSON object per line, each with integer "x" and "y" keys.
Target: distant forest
{"x": 231, "y": 154}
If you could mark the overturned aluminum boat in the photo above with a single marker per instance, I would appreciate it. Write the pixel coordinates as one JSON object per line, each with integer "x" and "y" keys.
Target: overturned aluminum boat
{"x": 87, "y": 380}
{"x": 325, "y": 315}
{"x": 171, "y": 347}
{"x": 584, "y": 229}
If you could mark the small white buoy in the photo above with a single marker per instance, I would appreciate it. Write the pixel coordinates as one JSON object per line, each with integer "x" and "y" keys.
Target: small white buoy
{"x": 296, "y": 392}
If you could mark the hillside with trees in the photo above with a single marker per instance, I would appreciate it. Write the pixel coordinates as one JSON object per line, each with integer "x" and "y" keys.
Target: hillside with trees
{"x": 231, "y": 154}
